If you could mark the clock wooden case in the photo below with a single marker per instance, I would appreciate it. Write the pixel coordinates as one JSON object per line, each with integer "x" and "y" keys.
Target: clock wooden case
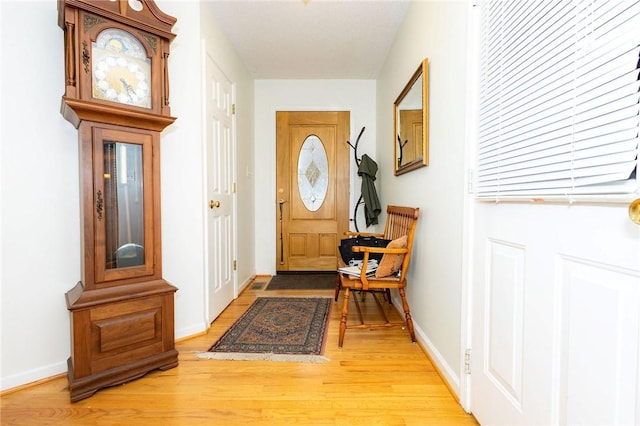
{"x": 117, "y": 96}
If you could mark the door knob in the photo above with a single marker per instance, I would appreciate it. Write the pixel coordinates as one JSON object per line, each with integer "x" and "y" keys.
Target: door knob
{"x": 634, "y": 211}
{"x": 213, "y": 204}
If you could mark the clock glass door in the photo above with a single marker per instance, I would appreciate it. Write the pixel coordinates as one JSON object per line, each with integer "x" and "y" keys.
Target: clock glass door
{"x": 123, "y": 205}
{"x": 124, "y": 209}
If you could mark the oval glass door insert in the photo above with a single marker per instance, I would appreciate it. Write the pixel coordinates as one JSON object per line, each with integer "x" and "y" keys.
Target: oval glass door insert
{"x": 313, "y": 172}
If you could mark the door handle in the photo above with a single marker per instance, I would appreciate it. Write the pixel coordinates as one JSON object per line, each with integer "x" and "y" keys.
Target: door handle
{"x": 634, "y": 211}
{"x": 213, "y": 204}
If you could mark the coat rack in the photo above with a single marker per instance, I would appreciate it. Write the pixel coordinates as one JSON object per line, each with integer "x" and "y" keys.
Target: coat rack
{"x": 357, "y": 160}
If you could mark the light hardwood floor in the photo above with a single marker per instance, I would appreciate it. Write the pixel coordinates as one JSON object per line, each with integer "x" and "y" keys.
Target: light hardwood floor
{"x": 378, "y": 378}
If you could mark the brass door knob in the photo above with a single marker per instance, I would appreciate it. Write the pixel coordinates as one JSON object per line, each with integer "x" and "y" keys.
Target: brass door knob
{"x": 213, "y": 204}
{"x": 634, "y": 211}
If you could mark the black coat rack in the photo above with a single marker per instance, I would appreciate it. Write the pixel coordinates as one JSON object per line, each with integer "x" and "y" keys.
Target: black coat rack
{"x": 357, "y": 159}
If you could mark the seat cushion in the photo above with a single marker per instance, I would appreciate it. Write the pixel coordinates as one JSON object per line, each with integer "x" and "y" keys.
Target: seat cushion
{"x": 391, "y": 263}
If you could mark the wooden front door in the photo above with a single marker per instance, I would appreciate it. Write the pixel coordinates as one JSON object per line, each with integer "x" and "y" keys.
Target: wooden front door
{"x": 312, "y": 189}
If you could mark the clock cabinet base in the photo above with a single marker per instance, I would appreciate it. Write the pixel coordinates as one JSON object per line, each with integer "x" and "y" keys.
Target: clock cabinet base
{"x": 86, "y": 386}
{"x": 119, "y": 334}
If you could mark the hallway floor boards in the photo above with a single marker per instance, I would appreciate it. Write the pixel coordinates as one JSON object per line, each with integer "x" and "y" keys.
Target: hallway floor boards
{"x": 378, "y": 378}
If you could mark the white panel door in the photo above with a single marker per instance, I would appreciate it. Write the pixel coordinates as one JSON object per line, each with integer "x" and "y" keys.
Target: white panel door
{"x": 220, "y": 145}
{"x": 556, "y": 325}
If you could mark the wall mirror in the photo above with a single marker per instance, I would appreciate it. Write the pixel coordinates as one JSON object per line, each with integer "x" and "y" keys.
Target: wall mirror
{"x": 410, "y": 123}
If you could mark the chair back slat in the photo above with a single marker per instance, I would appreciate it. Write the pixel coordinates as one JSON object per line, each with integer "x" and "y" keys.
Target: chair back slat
{"x": 400, "y": 221}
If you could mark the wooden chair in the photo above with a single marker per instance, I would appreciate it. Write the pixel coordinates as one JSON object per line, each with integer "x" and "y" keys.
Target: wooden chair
{"x": 401, "y": 221}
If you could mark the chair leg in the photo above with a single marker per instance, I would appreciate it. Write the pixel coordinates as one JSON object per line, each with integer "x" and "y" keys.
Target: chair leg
{"x": 338, "y": 286}
{"x": 407, "y": 314}
{"x": 343, "y": 320}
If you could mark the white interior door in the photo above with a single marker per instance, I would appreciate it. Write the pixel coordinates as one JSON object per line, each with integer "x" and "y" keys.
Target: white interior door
{"x": 556, "y": 320}
{"x": 556, "y": 275}
{"x": 220, "y": 202}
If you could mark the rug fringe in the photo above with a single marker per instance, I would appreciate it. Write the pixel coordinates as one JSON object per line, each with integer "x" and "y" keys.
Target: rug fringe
{"x": 296, "y": 296}
{"x": 262, "y": 357}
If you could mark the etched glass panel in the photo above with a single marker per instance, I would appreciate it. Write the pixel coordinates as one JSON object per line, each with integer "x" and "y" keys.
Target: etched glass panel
{"x": 313, "y": 172}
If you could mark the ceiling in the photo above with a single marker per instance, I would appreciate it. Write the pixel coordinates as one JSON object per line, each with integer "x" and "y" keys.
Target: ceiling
{"x": 311, "y": 39}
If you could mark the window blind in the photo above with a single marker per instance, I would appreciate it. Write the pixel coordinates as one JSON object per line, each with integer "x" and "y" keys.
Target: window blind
{"x": 559, "y": 112}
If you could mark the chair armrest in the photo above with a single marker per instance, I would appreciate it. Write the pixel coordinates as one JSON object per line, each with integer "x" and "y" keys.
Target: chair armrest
{"x": 351, "y": 234}
{"x": 365, "y": 249}
{"x": 364, "y": 279}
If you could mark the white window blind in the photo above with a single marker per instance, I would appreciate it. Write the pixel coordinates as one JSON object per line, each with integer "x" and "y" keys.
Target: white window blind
{"x": 559, "y": 98}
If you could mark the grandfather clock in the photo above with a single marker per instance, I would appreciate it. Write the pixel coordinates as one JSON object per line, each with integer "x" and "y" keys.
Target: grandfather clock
{"x": 117, "y": 96}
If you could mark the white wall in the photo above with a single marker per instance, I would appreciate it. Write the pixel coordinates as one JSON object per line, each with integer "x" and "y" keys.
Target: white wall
{"x": 182, "y": 173}
{"x": 356, "y": 96}
{"x": 437, "y": 30}
{"x": 40, "y": 229}
{"x": 40, "y": 198}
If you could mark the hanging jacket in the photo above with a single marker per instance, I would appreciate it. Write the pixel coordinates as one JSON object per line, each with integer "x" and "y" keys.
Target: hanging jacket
{"x": 367, "y": 170}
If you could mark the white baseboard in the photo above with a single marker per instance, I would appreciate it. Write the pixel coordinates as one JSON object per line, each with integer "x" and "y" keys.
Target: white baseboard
{"x": 245, "y": 283}
{"x": 196, "y": 329}
{"x": 448, "y": 374}
{"x": 32, "y": 376}
{"x": 192, "y": 330}
{"x": 55, "y": 369}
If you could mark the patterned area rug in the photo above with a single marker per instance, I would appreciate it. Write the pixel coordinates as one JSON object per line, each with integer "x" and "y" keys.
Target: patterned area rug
{"x": 303, "y": 281}
{"x": 277, "y": 329}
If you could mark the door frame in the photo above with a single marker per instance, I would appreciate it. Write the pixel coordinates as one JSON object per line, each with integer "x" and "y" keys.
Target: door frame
{"x": 468, "y": 210}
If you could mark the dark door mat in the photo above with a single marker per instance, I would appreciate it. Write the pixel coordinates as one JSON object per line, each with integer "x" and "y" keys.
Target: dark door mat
{"x": 303, "y": 281}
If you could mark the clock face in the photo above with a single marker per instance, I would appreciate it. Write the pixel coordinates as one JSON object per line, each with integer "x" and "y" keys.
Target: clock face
{"x": 121, "y": 69}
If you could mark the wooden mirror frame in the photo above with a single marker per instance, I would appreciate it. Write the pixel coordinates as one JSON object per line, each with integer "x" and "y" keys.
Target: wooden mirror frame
{"x": 411, "y": 129}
